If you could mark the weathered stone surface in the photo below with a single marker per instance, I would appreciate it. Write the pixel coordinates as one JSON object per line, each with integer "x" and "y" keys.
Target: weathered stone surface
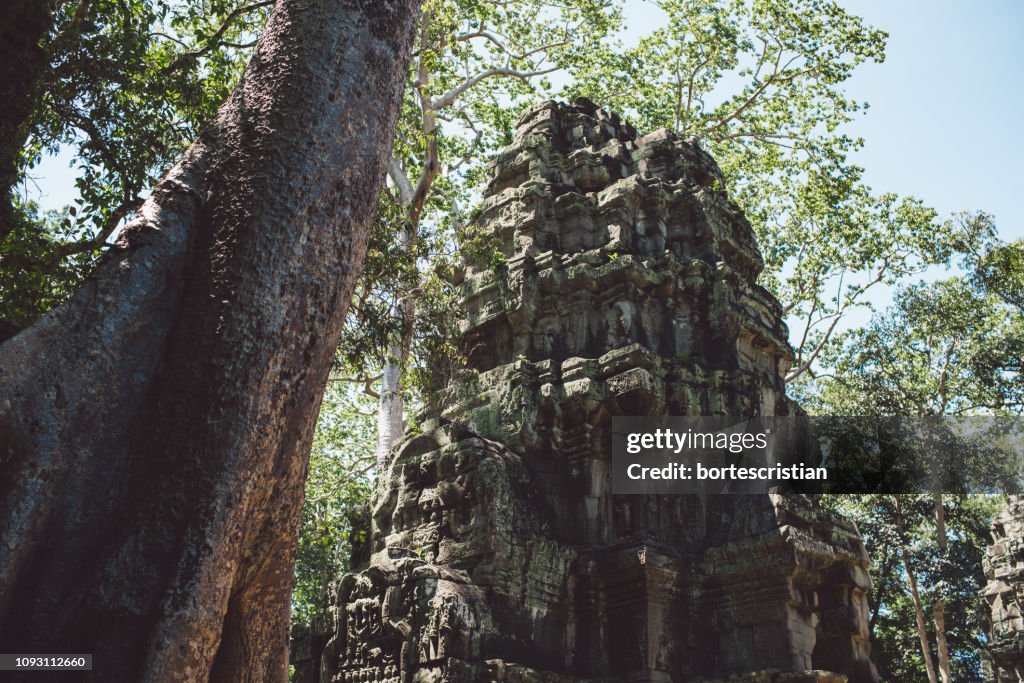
{"x": 499, "y": 553}
{"x": 305, "y": 649}
{"x": 1004, "y": 593}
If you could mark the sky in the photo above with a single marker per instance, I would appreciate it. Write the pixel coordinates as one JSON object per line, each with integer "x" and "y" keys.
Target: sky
{"x": 945, "y": 107}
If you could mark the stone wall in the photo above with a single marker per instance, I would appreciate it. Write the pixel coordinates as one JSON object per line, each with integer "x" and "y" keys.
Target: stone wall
{"x": 626, "y": 286}
{"x": 1004, "y": 593}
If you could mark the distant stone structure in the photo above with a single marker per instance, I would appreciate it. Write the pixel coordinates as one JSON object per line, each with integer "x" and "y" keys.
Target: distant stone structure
{"x": 626, "y": 287}
{"x": 1004, "y": 593}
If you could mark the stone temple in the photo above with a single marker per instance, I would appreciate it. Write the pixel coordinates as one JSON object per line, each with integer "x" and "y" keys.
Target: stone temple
{"x": 497, "y": 551}
{"x": 1004, "y": 593}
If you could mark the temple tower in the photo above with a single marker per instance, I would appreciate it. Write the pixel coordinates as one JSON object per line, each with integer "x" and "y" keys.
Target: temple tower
{"x": 617, "y": 279}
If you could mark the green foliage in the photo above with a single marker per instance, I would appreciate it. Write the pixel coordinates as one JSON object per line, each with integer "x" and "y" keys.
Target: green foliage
{"x": 338, "y": 483}
{"x": 955, "y": 574}
{"x": 129, "y": 85}
{"x": 758, "y": 82}
{"x": 1000, "y": 271}
{"x": 388, "y": 273}
{"x": 476, "y": 65}
{"x": 947, "y": 347}
{"x": 951, "y": 346}
{"x": 36, "y": 273}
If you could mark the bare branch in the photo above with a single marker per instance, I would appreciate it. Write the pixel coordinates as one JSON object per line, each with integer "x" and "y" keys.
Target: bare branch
{"x": 430, "y": 171}
{"x": 96, "y": 136}
{"x": 359, "y": 379}
{"x": 401, "y": 180}
{"x": 760, "y": 90}
{"x": 365, "y": 380}
{"x": 369, "y": 391}
{"x": 689, "y": 94}
{"x": 796, "y": 372}
{"x": 836, "y": 317}
{"x": 478, "y": 136}
{"x": 158, "y": 34}
{"x": 447, "y": 99}
{"x": 541, "y": 48}
{"x": 240, "y": 46}
{"x": 808, "y": 326}
{"x": 498, "y": 41}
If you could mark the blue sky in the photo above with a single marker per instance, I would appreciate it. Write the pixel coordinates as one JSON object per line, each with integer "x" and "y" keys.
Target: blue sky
{"x": 945, "y": 107}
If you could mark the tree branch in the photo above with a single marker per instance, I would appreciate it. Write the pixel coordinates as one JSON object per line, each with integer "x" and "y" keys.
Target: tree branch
{"x": 760, "y": 89}
{"x": 109, "y": 226}
{"x": 214, "y": 41}
{"x": 401, "y": 180}
{"x": 836, "y": 317}
{"x": 74, "y": 26}
{"x": 447, "y": 99}
{"x": 366, "y": 381}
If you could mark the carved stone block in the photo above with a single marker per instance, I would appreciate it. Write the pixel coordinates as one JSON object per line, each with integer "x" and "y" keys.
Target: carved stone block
{"x": 1004, "y": 593}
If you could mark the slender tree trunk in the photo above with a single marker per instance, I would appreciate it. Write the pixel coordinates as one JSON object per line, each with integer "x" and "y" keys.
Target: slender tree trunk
{"x": 155, "y": 430}
{"x": 939, "y": 609}
{"x": 391, "y": 406}
{"x": 22, "y": 64}
{"x": 922, "y": 631}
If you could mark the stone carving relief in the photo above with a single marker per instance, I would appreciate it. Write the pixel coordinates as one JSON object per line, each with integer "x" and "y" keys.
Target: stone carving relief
{"x": 1004, "y": 593}
{"x": 498, "y": 550}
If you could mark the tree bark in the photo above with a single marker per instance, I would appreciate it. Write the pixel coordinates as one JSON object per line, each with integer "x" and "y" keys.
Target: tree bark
{"x": 22, "y": 64}
{"x": 922, "y": 631}
{"x": 939, "y": 609}
{"x": 155, "y": 430}
{"x": 391, "y": 406}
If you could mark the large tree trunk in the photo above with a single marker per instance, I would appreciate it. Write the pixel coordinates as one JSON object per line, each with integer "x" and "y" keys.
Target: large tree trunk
{"x": 155, "y": 430}
{"x": 22, "y": 64}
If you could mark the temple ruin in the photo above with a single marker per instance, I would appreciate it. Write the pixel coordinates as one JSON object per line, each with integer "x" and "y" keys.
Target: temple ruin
{"x": 1004, "y": 593}
{"x": 626, "y": 285}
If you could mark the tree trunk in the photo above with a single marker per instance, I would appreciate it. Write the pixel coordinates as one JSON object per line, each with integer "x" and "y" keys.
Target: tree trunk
{"x": 155, "y": 430}
{"x": 939, "y": 609}
{"x": 22, "y": 64}
{"x": 922, "y": 631}
{"x": 390, "y": 406}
